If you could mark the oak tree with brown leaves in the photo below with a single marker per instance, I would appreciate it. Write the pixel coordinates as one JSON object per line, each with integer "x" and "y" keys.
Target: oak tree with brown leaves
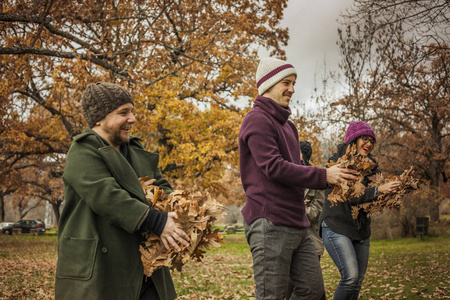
{"x": 186, "y": 63}
{"x": 396, "y": 68}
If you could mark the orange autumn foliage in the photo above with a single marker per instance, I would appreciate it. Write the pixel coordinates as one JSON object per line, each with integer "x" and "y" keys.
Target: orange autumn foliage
{"x": 189, "y": 66}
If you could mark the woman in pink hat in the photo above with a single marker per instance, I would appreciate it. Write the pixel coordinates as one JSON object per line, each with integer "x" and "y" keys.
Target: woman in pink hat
{"x": 347, "y": 240}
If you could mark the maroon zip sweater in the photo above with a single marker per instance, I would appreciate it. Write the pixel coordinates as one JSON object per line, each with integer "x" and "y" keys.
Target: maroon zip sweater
{"x": 272, "y": 173}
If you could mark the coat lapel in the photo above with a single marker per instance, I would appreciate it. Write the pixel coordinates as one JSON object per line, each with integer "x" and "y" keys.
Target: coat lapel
{"x": 147, "y": 166}
{"x": 122, "y": 171}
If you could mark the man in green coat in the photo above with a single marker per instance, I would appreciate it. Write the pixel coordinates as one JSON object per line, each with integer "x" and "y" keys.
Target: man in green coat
{"x": 106, "y": 211}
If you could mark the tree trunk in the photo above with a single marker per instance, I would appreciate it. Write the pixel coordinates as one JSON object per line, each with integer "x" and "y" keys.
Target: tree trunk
{"x": 434, "y": 210}
{"x": 56, "y": 211}
{"x": 407, "y": 227}
{"x": 2, "y": 208}
{"x": 435, "y": 202}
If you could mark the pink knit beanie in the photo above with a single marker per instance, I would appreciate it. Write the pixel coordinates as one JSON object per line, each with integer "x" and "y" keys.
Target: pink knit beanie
{"x": 357, "y": 129}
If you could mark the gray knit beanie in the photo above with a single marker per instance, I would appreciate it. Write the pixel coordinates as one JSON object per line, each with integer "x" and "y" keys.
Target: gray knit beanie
{"x": 101, "y": 98}
{"x": 271, "y": 71}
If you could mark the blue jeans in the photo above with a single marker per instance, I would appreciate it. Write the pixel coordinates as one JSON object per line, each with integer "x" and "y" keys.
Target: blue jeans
{"x": 281, "y": 255}
{"x": 351, "y": 257}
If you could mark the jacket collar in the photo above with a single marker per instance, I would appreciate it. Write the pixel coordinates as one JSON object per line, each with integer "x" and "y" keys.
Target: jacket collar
{"x": 125, "y": 174}
{"x": 274, "y": 109}
{"x": 88, "y": 131}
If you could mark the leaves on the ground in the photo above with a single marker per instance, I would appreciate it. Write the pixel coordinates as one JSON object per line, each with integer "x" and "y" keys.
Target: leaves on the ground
{"x": 351, "y": 189}
{"x": 404, "y": 269}
{"x": 392, "y": 200}
{"x": 195, "y": 214}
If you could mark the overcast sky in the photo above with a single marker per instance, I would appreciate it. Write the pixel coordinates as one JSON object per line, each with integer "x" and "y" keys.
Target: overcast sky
{"x": 313, "y": 34}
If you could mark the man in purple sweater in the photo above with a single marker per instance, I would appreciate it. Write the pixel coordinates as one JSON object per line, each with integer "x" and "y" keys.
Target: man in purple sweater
{"x": 274, "y": 178}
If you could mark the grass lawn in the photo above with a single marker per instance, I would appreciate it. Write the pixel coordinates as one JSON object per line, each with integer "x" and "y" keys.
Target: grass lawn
{"x": 399, "y": 269}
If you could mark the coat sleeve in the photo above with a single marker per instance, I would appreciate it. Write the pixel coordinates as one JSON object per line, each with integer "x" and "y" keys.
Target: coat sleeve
{"x": 162, "y": 182}
{"x": 368, "y": 196}
{"x": 369, "y": 192}
{"x": 87, "y": 173}
{"x": 315, "y": 205}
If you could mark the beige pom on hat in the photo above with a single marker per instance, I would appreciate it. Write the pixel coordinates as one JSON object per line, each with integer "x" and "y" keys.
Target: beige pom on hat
{"x": 101, "y": 98}
{"x": 270, "y": 71}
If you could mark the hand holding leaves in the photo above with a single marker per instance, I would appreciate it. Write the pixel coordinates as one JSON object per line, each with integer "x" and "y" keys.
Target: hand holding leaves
{"x": 391, "y": 191}
{"x": 345, "y": 190}
{"x": 192, "y": 214}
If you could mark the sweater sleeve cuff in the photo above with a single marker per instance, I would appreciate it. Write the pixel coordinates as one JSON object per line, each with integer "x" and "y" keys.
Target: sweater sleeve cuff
{"x": 155, "y": 222}
{"x": 323, "y": 178}
{"x": 143, "y": 219}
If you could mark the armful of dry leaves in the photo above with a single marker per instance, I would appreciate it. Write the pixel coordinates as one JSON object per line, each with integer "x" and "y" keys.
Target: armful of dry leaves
{"x": 195, "y": 215}
{"x": 351, "y": 189}
{"x": 391, "y": 200}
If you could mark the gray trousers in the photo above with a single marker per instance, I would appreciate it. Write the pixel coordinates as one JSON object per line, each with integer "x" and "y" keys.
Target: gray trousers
{"x": 281, "y": 255}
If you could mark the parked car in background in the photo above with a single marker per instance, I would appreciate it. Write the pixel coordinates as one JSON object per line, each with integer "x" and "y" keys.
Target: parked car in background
{"x": 4, "y": 224}
{"x": 26, "y": 225}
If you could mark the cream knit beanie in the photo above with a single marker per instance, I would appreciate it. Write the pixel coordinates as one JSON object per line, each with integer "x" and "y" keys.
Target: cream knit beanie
{"x": 270, "y": 71}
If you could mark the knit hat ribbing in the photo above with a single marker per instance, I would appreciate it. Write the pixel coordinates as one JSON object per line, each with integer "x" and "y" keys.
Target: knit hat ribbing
{"x": 270, "y": 71}
{"x": 101, "y": 98}
{"x": 357, "y": 129}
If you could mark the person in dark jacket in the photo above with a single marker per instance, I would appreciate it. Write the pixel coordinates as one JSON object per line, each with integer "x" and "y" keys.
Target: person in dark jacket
{"x": 314, "y": 200}
{"x": 274, "y": 178}
{"x": 105, "y": 210}
{"x": 347, "y": 239}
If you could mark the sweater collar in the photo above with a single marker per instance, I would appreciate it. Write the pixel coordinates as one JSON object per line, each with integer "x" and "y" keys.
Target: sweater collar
{"x": 274, "y": 109}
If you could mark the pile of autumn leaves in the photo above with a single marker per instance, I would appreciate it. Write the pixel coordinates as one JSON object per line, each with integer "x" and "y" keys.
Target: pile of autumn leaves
{"x": 354, "y": 189}
{"x": 195, "y": 215}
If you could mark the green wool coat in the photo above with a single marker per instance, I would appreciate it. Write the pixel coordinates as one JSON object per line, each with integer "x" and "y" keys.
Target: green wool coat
{"x": 98, "y": 245}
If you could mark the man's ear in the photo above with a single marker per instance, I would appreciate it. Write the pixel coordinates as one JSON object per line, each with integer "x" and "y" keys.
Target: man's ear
{"x": 267, "y": 91}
